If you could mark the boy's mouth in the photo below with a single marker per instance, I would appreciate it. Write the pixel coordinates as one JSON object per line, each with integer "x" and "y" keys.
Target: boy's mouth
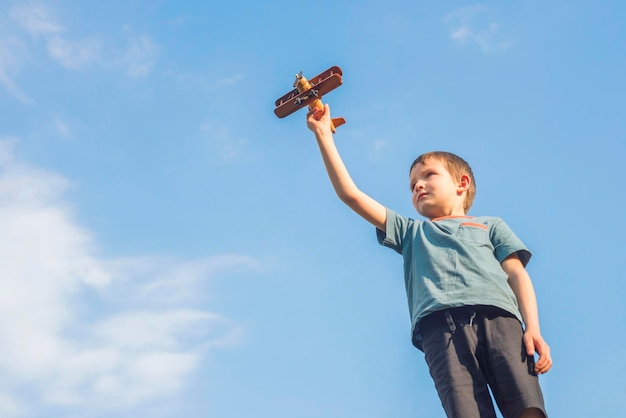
{"x": 419, "y": 196}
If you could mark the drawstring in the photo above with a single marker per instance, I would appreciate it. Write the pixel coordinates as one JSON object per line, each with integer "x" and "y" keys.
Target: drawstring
{"x": 450, "y": 321}
{"x": 472, "y": 319}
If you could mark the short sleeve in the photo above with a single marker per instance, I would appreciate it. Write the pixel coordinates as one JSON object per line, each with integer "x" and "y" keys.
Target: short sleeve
{"x": 396, "y": 228}
{"x": 505, "y": 242}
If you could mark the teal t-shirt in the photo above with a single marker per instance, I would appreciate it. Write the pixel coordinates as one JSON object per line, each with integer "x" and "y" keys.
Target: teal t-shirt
{"x": 453, "y": 261}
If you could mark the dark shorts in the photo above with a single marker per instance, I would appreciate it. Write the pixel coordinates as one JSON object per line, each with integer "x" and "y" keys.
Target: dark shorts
{"x": 474, "y": 348}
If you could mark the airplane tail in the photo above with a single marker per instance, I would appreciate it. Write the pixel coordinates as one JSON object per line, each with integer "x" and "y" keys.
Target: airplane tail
{"x": 337, "y": 122}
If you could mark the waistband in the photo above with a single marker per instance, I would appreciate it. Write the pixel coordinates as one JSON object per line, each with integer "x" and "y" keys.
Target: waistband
{"x": 462, "y": 315}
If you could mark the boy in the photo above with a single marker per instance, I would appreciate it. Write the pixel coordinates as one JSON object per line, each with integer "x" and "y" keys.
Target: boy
{"x": 466, "y": 283}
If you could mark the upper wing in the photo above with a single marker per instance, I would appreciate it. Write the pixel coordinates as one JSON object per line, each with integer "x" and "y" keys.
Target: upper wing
{"x": 320, "y": 85}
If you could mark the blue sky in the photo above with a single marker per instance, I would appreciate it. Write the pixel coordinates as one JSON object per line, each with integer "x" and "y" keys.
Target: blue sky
{"x": 171, "y": 249}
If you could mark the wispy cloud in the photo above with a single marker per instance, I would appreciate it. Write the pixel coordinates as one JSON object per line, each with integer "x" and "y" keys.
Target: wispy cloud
{"x": 71, "y": 54}
{"x": 469, "y": 26}
{"x": 35, "y": 18}
{"x": 140, "y": 56}
{"x": 42, "y": 28}
{"x": 9, "y": 65}
{"x": 174, "y": 282}
{"x": 205, "y": 80}
{"x": 9, "y": 407}
{"x": 62, "y": 128}
{"x": 229, "y": 81}
{"x": 378, "y": 149}
{"x": 37, "y": 21}
{"x": 138, "y": 346}
{"x": 224, "y": 145}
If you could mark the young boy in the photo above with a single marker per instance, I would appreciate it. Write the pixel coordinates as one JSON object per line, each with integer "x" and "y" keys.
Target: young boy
{"x": 466, "y": 283}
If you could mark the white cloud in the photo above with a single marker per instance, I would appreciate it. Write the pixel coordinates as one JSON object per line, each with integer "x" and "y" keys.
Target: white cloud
{"x": 140, "y": 56}
{"x": 9, "y": 407}
{"x": 179, "y": 282}
{"x": 468, "y": 27}
{"x": 378, "y": 149}
{"x": 35, "y": 18}
{"x": 8, "y": 68}
{"x": 62, "y": 129}
{"x": 224, "y": 146}
{"x": 137, "y": 59}
{"x": 73, "y": 54}
{"x": 138, "y": 347}
{"x": 229, "y": 81}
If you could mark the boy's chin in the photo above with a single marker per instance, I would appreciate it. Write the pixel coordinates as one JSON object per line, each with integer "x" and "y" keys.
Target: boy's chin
{"x": 424, "y": 210}
{"x": 428, "y": 214}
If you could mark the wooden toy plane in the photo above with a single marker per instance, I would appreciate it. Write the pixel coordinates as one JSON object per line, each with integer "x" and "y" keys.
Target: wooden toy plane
{"x": 310, "y": 92}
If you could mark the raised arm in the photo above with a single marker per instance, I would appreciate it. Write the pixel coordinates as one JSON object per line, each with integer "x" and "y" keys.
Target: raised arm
{"x": 318, "y": 121}
{"x": 522, "y": 286}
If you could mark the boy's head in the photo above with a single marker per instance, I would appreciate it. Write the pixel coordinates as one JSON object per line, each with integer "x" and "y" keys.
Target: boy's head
{"x": 460, "y": 174}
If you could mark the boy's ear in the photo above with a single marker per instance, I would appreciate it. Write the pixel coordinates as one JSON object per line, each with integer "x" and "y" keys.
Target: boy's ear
{"x": 464, "y": 183}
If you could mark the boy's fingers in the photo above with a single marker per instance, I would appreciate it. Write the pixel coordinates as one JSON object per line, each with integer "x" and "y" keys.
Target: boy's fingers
{"x": 323, "y": 110}
{"x": 544, "y": 363}
{"x": 316, "y": 113}
{"x": 543, "y": 367}
{"x": 545, "y": 360}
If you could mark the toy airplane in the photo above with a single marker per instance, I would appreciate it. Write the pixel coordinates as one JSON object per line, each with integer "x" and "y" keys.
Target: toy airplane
{"x": 310, "y": 92}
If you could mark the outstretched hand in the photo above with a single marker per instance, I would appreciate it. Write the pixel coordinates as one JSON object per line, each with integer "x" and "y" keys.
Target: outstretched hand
{"x": 535, "y": 344}
{"x": 318, "y": 119}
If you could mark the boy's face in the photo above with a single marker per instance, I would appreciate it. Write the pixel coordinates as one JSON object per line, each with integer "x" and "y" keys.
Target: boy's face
{"x": 434, "y": 192}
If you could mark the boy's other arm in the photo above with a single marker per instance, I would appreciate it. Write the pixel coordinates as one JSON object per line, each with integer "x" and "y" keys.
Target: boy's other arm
{"x": 318, "y": 121}
{"x": 522, "y": 286}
